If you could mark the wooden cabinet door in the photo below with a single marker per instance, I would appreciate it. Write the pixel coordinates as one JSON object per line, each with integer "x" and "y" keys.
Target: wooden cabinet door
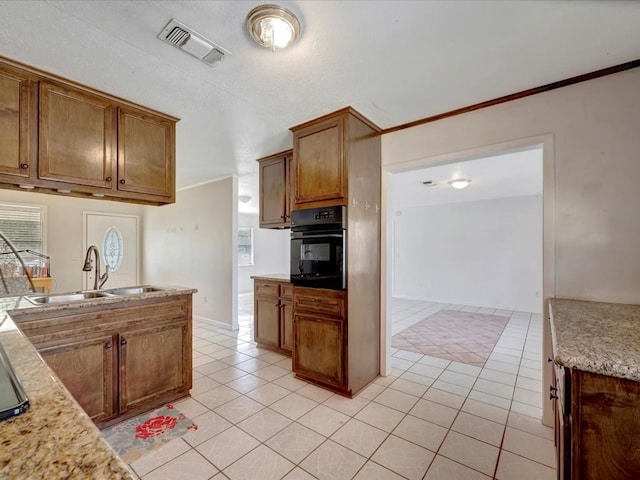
{"x": 267, "y": 321}
{"x": 286, "y": 325}
{"x": 319, "y": 162}
{"x": 146, "y": 151}
{"x": 319, "y": 349}
{"x": 77, "y": 137}
{"x": 87, "y": 370}
{"x": 153, "y": 363}
{"x": 275, "y": 208}
{"x": 18, "y": 127}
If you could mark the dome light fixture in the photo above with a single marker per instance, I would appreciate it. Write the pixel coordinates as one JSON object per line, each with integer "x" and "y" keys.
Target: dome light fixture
{"x": 459, "y": 183}
{"x": 244, "y": 198}
{"x": 272, "y": 26}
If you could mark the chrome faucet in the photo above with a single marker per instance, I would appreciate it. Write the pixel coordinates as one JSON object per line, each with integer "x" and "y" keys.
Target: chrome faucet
{"x": 88, "y": 266}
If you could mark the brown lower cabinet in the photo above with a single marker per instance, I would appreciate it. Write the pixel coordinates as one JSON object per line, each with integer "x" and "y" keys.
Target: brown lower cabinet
{"x": 321, "y": 337}
{"x": 119, "y": 359}
{"x": 86, "y": 367}
{"x": 273, "y": 315}
{"x": 597, "y": 426}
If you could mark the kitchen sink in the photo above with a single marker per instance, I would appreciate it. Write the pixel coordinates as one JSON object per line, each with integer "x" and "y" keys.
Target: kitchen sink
{"x": 67, "y": 297}
{"x": 133, "y": 290}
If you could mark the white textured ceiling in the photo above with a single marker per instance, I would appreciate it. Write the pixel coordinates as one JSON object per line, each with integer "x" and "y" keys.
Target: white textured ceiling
{"x": 394, "y": 61}
{"x": 513, "y": 174}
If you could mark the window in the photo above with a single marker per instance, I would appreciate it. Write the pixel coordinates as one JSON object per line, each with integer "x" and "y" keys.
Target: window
{"x": 245, "y": 246}
{"x": 25, "y": 227}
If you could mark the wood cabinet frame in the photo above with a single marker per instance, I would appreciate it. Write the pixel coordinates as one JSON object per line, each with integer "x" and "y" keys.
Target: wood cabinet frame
{"x": 273, "y": 315}
{"x": 77, "y": 173}
{"x": 58, "y": 331}
{"x": 22, "y": 135}
{"x": 275, "y": 190}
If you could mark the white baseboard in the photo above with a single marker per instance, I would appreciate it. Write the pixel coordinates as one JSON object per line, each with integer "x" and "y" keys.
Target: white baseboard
{"x": 214, "y": 322}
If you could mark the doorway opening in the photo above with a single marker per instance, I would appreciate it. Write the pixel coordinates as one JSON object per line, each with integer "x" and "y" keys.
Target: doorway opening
{"x": 465, "y": 274}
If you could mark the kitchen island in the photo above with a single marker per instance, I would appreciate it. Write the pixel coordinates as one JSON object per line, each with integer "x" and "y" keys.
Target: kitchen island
{"x": 596, "y": 356}
{"x": 55, "y": 438}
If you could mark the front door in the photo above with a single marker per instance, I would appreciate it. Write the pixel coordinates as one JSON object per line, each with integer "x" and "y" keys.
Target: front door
{"x": 116, "y": 237}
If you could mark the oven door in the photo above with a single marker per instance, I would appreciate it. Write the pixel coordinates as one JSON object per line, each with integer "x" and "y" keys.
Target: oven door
{"x": 318, "y": 259}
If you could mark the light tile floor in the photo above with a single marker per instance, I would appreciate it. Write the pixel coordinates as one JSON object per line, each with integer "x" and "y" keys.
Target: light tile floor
{"x": 430, "y": 419}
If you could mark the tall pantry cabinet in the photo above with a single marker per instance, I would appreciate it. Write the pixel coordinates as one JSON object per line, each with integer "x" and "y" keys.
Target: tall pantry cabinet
{"x": 337, "y": 161}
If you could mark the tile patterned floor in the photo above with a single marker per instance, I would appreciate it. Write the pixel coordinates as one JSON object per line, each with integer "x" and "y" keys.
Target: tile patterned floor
{"x": 430, "y": 419}
{"x": 466, "y": 337}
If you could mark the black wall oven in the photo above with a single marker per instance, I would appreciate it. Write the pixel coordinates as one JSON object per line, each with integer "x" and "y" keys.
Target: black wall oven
{"x": 318, "y": 248}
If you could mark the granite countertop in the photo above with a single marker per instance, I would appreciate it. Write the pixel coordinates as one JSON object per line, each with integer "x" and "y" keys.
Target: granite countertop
{"x": 55, "y": 438}
{"x": 273, "y": 277}
{"x": 596, "y": 337}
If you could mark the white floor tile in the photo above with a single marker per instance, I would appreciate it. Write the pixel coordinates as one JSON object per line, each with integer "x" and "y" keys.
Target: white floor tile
{"x": 444, "y": 469}
{"x": 423, "y": 433}
{"x": 380, "y": 416}
{"x": 470, "y": 452}
{"x": 404, "y": 458}
{"x": 359, "y": 437}
{"x": 262, "y": 463}
{"x": 333, "y": 462}
{"x": 188, "y": 466}
{"x": 295, "y": 442}
{"x": 514, "y": 467}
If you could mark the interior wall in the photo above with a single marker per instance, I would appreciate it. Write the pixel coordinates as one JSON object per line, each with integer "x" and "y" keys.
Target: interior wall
{"x": 591, "y": 228}
{"x": 270, "y": 252}
{"x": 192, "y": 243}
{"x": 484, "y": 253}
{"x": 65, "y": 232}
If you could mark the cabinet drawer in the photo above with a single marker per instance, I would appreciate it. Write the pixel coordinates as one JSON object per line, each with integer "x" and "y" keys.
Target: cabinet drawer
{"x": 286, "y": 290}
{"x": 318, "y": 300}
{"x": 266, "y": 288}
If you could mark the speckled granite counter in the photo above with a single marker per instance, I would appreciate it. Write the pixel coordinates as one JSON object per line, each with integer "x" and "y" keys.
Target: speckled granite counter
{"x": 55, "y": 438}
{"x": 273, "y": 277}
{"x": 596, "y": 337}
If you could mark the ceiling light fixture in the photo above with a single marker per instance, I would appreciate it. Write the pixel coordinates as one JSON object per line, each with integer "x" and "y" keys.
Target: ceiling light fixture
{"x": 244, "y": 198}
{"x": 273, "y": 26}
{"x": 459, "y": 183}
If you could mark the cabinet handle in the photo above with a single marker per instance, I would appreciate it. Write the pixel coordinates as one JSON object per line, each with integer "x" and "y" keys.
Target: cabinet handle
{"x": 549, "y": 360}
{"x": 552, "y": 396}
{"x": 123, "y": 341}
{"x": 122, "y": 181}
{"x": 552, "y": 388}
{"x": 108, "y": 179}
{"x": 24, "y": 166}
{"x": 107, "y": 346}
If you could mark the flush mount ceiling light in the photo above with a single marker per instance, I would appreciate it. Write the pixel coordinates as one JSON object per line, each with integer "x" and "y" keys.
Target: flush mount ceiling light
{"x": 244, "y": 198}
{"x": 459, "y": 183}
{"x": 272, "y": 26}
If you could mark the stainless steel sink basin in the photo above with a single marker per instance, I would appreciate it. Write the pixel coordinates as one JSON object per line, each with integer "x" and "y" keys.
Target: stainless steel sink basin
{"x": 133, "y": 290}
{"x": 66, "y": 297}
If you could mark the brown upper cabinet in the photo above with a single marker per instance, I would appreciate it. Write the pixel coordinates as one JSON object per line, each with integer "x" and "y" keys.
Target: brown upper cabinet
{"x": 76, "y": 137}
{"x": 323, "y": 151}
{"x": 275, "y": 191}
{"x": 57, "y": 136}
{"x": 18, "y": 117}
{"x": 145, "y": 153}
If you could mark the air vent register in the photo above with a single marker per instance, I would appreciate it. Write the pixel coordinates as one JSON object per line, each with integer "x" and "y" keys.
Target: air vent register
{"x": 191, "y": 42}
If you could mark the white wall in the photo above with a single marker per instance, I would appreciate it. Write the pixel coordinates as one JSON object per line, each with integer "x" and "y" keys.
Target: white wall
{"x": 65, "y": 231}
{"x": 270, "y": 252}
{"x": 193, "y": 243}
{"x": 486, "y": 253}
{"x": 591, "y": 226}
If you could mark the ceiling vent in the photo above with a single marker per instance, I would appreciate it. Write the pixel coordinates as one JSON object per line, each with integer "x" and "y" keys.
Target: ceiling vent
{"x": 188, "y": 40}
